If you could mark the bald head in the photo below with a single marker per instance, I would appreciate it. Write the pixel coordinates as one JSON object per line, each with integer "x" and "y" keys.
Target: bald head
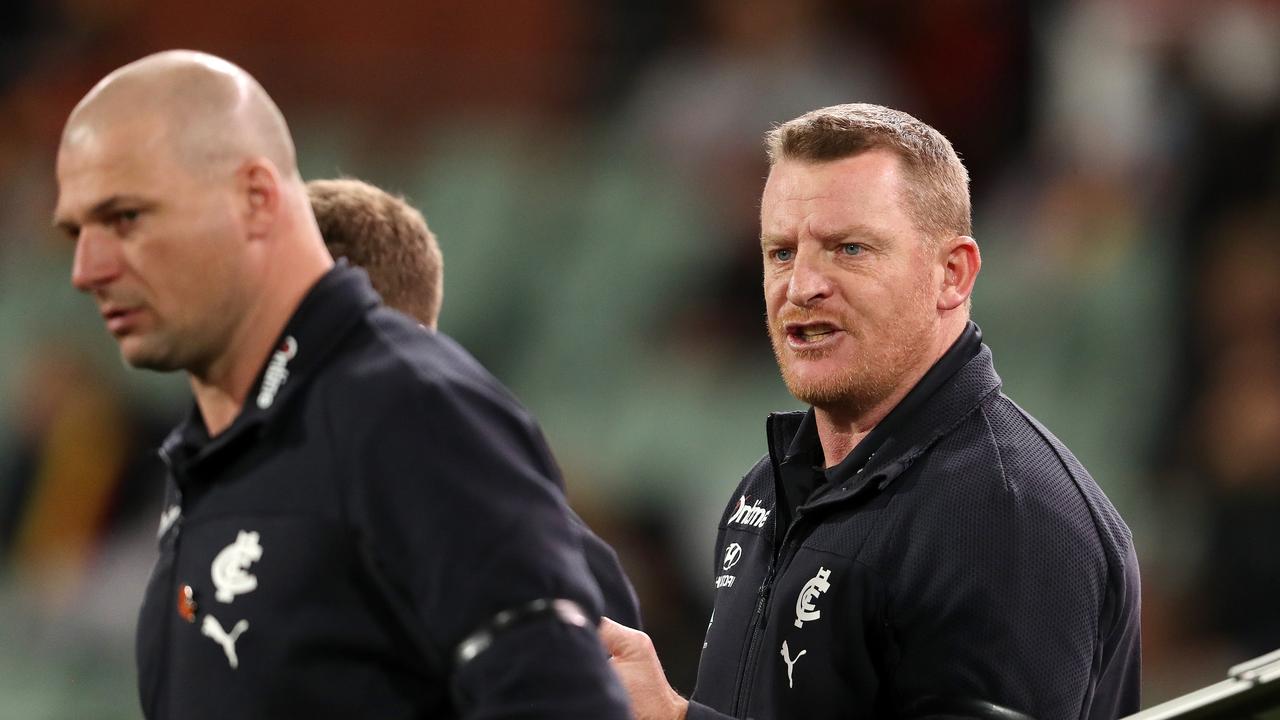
{"x": 210, "y": 113}
{"x": 178, "y": 185}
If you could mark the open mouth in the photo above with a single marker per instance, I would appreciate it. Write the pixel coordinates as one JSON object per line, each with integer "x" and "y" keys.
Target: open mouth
{"x": 809, "y": 333}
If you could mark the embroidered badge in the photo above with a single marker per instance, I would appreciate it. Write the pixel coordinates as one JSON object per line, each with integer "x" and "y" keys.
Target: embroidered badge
{"x": 791, "y": 662}
{"x": 230, "y": 567}
{"x": 212, "y": 629}
{"x": 187, "y": 606}
{"x": 818, "y": 584}
{"x": 732, "y": 555}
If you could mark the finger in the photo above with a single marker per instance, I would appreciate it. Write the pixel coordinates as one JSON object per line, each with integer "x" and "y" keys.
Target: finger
{"x": 618, "y": 639}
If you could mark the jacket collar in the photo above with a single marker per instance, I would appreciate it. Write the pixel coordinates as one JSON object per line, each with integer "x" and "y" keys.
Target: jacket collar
{"x": 928, "y": 419}
{"x": 329, "y": 310}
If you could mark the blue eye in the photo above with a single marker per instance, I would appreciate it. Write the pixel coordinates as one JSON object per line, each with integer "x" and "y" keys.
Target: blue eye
{"x": 851, "y": 249}
{"x": 783, "y": 254}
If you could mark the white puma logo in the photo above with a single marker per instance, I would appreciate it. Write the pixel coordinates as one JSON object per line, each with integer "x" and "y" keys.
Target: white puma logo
{"x": 213, "y": 629}
{"x": 786, "y": 657}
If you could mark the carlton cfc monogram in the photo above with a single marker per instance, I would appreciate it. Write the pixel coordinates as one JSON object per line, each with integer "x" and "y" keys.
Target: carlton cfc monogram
{"x": 229, "y": 567}
{"x": 818, "y": 584}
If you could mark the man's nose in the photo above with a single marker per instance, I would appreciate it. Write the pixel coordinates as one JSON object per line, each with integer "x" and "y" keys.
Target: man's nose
{"x": 810, "y": 282}
{"x": 97, "y": 259}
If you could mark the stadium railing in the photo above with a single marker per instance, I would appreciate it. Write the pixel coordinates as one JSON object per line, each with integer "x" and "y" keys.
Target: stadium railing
{"x": 1251, "y": 691}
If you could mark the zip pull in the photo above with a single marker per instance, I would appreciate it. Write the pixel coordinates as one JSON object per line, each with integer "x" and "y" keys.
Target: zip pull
{"x": 767, "y": 583}
{"x": 171, "y": 515}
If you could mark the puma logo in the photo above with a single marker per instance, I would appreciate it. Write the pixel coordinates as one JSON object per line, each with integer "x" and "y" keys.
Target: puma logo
{"x": 211, "y": 628}
{"x": 786, "y": 657}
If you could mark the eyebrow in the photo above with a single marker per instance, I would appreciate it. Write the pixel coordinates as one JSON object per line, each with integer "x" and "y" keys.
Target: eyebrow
{"x": 103, "y": 209}
{"x": 857, "y": 231}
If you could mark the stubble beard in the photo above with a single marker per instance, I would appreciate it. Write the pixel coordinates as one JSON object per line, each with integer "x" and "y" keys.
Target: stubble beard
{"x": 878, "y": 370}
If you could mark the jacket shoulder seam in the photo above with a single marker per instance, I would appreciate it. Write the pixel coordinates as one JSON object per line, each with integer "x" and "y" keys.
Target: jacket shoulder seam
{"x": 991, "y": 438}
{"x": 1115, "y": 560}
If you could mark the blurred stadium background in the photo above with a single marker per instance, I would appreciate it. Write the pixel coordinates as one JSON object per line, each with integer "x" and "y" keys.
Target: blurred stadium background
{"x": 592, "y": 169}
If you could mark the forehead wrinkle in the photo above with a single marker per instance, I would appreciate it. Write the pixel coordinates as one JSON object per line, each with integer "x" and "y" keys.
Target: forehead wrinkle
{"x": 853, "y": 231}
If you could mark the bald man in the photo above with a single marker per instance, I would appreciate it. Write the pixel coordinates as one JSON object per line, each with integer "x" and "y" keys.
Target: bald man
{"x": 360, "y": 521}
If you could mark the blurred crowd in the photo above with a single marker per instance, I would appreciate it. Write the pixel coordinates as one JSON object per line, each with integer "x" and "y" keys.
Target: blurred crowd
{"x": 593, "y": 169}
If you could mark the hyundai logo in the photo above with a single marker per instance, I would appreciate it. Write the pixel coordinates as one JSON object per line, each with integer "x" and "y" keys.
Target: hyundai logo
{"x": 732, "y": 555}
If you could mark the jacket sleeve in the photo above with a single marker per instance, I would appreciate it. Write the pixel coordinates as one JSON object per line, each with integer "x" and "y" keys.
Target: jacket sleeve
{"x": 620, "y": 602}
{"x": 1008, "y": 595}
{"x": 460, "y": 508}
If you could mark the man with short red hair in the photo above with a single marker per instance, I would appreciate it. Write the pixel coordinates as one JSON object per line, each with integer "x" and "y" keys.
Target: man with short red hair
{"x": 915, "y": 544}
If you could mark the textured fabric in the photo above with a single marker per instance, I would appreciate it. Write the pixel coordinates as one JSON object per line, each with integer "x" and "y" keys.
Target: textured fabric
{"x": 379, "y": 498}
{"x": 972, "y": 560}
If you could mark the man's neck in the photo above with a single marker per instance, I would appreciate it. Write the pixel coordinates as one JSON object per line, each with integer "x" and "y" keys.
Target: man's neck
{"x": 221, "y": 388}
{"x": 842, "y": 427}
{"x": 838, "y": 438}
{"x": 219, "y": 403}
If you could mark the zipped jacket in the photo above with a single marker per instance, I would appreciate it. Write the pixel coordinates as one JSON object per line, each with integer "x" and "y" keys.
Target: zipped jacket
{"x": 381, "y": 533}
{"x": 971, "y": 568}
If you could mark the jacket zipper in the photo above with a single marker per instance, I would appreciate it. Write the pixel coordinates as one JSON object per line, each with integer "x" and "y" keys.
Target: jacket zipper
{"x": 757, "y": 631}
{"x": 751, "y": 654}
{"x": 169, "y": 583}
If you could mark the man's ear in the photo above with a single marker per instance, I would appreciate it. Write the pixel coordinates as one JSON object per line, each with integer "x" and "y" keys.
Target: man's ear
{"x": 960, "y": 264}
{"x": 259, "y": 190}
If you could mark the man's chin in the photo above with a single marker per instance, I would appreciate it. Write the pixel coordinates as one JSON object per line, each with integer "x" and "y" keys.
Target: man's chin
{"x": 138, "y": 355}
{"x": 819, "y": 397}
{"x": 818, "y": 391}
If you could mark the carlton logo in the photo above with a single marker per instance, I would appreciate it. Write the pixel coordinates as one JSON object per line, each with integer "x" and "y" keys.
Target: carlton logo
{"x": 229, "y": 567}
{"x": 750, "y": 515}
{"x": 817, "y": 585}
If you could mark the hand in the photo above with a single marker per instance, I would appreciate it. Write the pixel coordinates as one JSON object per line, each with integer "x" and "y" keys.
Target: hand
{"x": 635, "y": 661}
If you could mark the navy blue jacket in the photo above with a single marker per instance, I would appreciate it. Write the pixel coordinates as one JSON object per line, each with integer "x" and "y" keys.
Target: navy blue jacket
{"x": 969, "y": 564}
{"x": 347, "y": 548}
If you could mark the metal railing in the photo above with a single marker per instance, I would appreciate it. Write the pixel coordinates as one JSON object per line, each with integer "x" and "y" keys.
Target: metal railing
{"x": 1251, "y": 690}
